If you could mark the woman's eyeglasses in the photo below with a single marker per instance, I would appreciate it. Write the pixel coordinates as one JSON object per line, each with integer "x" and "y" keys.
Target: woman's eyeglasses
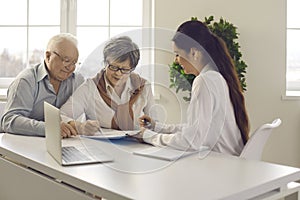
{"x": 123, "y": 70}
{"x": 65, "y": 61}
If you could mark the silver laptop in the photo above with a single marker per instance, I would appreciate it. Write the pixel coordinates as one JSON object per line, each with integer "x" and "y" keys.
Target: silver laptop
{"x": 69, "y": 151}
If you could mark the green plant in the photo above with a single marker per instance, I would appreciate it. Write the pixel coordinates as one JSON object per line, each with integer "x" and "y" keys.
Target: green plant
{"x": 228, "y": 32}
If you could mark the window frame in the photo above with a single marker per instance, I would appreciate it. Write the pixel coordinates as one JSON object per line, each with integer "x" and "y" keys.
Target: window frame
{"x": 291, "y": 92}
{"x": 68, "y": 21}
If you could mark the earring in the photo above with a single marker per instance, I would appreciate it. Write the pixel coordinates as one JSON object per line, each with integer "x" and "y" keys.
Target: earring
{"x": 195, "y": 54}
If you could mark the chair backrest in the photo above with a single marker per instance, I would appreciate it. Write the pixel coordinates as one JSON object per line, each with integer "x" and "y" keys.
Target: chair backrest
{"x": 255, "y": 145}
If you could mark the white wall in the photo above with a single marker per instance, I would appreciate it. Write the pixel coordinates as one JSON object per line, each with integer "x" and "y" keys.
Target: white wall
{"x": 261, "y": 25}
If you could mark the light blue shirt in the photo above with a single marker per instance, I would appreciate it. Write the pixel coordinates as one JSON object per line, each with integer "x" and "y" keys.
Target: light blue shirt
{"x": 24, "y": 111}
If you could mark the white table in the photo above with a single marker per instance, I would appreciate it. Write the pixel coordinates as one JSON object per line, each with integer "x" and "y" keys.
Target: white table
{"x": 26, "y": 167}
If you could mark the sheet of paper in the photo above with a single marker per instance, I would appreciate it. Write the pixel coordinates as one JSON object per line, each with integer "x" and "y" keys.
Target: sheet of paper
{"x": 166, "y": 153}
{"x": 111, "y": 134}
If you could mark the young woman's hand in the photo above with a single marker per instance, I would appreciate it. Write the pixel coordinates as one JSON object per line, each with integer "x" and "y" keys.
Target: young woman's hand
{"x": 146, "y": 122}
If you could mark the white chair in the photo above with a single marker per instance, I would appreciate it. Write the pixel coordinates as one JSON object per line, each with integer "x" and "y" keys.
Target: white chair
{"x": 255, "y": 145}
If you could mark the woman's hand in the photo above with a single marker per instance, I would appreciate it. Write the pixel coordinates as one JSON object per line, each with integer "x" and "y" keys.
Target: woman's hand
{"x": 146, "y": 122}
{"x": 89, "y": 127}
{"x": 67, "y": 130}
{"x": 138, "y": 136}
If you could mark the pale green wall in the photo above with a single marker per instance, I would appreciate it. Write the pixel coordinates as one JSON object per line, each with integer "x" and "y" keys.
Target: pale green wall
{"x": 261, "y": 25}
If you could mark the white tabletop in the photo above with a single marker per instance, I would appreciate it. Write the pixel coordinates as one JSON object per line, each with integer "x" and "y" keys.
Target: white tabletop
{"x": 136, "y": 177}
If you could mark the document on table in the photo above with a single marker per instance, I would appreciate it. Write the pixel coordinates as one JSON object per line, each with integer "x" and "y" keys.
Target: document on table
{"x": 111, "y": 134}
{"x": 166, "y": 153}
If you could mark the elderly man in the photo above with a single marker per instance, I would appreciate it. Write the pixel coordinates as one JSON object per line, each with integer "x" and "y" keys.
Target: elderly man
{"x": 52, "y": 80}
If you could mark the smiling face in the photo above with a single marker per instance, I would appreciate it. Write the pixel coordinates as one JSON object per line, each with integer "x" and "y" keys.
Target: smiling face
{"x": 60, "y": 60}
{"x": 188, "y": 61}
{"x": 117, "y": 78}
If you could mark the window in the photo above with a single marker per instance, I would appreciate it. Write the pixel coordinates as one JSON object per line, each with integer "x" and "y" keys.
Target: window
{"x": 110, "y": 18}
{"x": 293, "y": 49}
{"x": 24, "y": 36}
{"x": 24, "y": 31}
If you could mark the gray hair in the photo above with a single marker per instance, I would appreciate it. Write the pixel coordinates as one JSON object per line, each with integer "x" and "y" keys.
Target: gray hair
{"x": 62, "y": 37}
{"x": 121, "y": 49}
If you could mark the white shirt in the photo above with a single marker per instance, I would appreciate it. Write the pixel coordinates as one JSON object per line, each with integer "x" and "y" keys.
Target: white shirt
{"x": 211, "y": 121}
{"x": 86, "y": 102}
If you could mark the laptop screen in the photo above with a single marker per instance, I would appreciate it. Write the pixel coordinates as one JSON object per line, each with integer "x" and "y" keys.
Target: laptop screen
{"x": 52, "y": 131}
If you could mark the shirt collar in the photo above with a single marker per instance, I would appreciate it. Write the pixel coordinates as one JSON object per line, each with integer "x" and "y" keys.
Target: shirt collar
{"x": 42, "y": 71}
{"x": 128, "y": 86}
{"x": 209, "y": 67}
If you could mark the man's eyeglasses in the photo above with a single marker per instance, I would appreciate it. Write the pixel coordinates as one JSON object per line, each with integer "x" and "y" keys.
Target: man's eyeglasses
{"x": 123, "y": 71}
{"x": 65, "y": 61}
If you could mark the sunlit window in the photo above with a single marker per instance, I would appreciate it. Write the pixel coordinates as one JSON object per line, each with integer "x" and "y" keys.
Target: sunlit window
{"x": 106, "y": 19}
{"x": 293, "y": 48}
{"x": 24, "y": 31}
{"x": 26, "y": 28}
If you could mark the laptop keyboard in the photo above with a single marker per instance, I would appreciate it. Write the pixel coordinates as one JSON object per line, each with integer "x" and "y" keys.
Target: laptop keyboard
{"x": 72, "y": 154}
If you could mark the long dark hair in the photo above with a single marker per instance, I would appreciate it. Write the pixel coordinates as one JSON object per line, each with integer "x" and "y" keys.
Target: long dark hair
{"x": 216, "y": 48}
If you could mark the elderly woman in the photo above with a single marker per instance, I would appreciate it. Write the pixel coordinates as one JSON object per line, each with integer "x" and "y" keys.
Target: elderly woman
{"x": 115, "y": 98}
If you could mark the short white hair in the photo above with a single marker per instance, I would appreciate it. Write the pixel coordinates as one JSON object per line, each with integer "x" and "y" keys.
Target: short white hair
{"x": 62, "y": 37}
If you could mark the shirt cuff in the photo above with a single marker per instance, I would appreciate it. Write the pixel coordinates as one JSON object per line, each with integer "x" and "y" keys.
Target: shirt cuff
{"x": 148, "y": 135}
{"x": 158, "y": 127}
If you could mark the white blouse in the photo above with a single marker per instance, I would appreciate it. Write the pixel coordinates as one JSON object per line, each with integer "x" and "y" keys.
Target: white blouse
{"x": 210, "y": 119}
{"x": 87, "y": 104}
